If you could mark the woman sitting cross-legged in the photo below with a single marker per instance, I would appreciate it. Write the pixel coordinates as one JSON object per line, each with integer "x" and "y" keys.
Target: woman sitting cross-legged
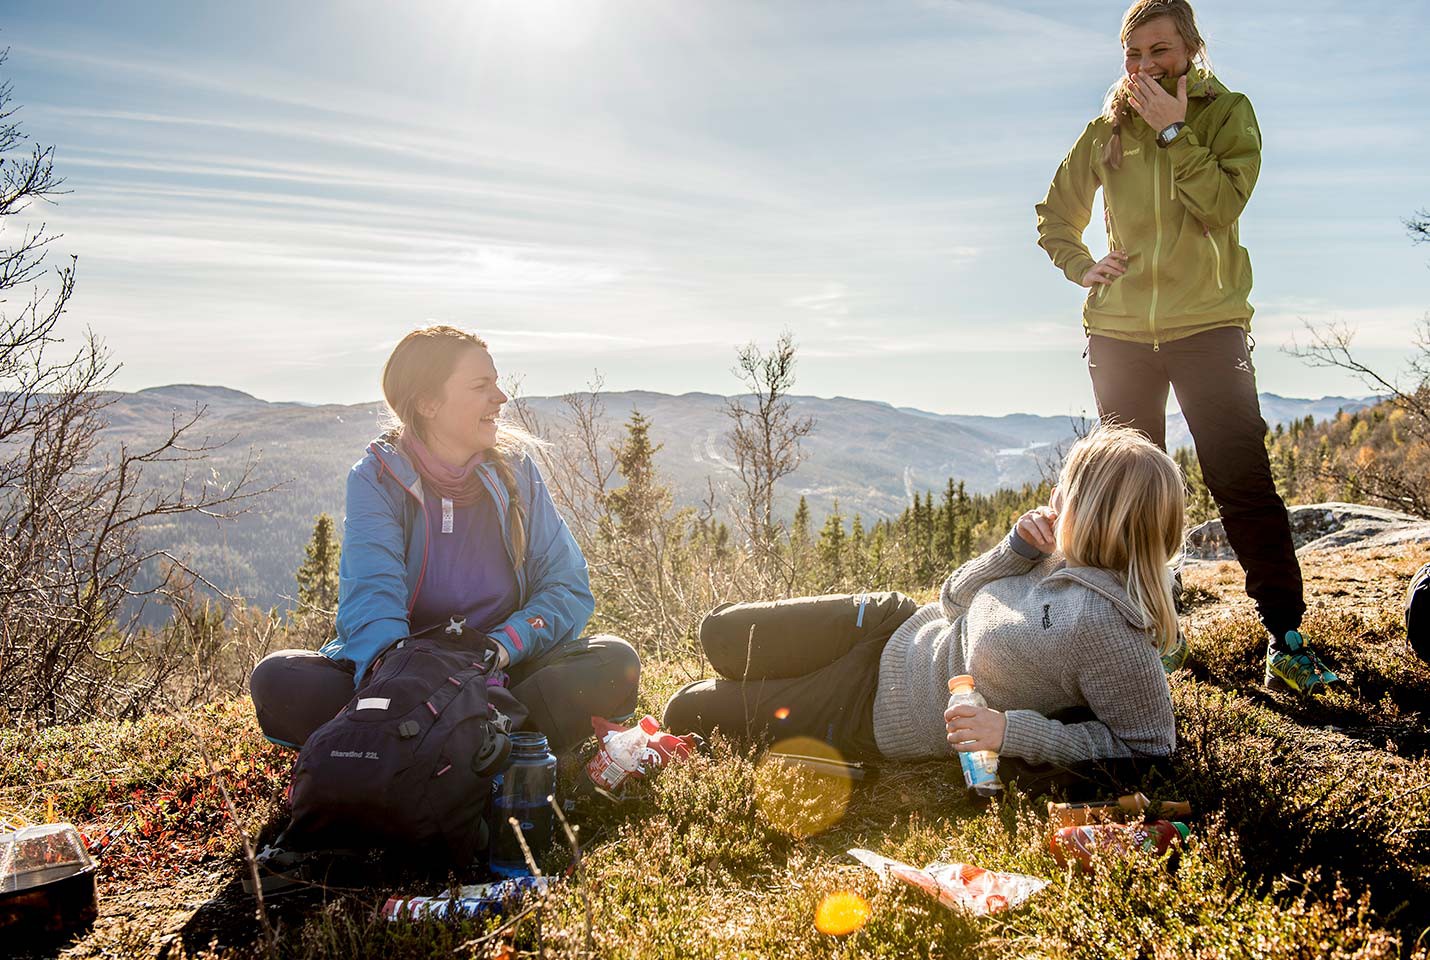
{"x": 448, "y": 517}
{"x": 1070, "y": 614}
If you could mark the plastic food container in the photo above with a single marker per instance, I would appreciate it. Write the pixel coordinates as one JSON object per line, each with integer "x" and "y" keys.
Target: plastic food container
{"x": 46, "y": 880}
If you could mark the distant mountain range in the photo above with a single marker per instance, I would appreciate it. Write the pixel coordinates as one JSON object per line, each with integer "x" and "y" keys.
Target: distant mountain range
{"x": 870, "y": 456}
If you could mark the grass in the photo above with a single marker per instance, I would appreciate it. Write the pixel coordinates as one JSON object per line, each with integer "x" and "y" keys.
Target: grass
{"x": 1309, "y": 838}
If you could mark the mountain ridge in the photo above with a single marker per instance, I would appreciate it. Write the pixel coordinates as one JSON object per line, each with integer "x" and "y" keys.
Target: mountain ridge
{"x": 867, "y": 455}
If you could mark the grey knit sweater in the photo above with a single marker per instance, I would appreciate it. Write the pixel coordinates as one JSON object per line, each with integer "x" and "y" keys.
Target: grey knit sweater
{"x": 1037, "y": 636}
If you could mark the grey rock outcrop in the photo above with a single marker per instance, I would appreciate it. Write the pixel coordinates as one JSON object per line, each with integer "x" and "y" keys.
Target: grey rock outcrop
{"x": 1321, "y": 526}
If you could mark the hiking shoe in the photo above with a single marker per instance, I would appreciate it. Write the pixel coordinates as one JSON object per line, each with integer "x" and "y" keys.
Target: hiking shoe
{"x": 1295, "y": 666}
{"x": 1176, "y": 658}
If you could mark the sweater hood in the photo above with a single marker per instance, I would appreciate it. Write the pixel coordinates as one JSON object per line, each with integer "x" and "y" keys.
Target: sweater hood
{"x": 1109, "y": 585}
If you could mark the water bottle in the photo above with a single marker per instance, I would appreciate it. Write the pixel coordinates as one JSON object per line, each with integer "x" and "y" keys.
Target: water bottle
{"x": 980, "y": 767}
{"x": 521, "y": 794}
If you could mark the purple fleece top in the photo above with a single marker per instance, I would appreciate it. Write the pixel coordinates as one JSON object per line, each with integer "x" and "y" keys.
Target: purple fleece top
{"x": 468, "y": 572}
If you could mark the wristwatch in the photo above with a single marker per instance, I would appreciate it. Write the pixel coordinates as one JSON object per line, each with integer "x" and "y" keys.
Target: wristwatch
{"x": 1165, "y": 138}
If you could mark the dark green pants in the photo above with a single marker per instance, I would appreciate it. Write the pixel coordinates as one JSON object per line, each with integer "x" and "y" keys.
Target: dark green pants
{"x": 805, "y": 667}
{"x": 297, "y": 691}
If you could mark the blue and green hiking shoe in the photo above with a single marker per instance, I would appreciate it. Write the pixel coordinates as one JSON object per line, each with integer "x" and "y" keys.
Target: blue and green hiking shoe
{"x": 1176, "y": 658}
{"x": 1295, "y": 666}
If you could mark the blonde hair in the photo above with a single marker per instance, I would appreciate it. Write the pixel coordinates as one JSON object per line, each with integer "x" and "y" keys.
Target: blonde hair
{"x": 1115, "y": 107}
{"x": 417, "y": 370}
{"x": 1124, "y": 501}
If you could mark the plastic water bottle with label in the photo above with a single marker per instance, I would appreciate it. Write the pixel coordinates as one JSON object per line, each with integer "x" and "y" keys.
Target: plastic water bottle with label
{"x": 980, "y": 767}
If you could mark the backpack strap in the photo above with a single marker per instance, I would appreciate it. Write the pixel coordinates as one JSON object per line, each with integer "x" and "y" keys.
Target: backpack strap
{"x": 455, "y": 625}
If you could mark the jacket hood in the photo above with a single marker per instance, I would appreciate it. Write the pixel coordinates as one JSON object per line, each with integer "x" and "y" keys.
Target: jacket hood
{"x": 390, "y": 457}
{"x": 395, "y": 462}
{"x": 1109, "y": 585}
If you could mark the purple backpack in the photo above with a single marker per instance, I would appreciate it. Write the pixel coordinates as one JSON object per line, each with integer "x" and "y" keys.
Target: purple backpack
{"x": 408, "y": 763}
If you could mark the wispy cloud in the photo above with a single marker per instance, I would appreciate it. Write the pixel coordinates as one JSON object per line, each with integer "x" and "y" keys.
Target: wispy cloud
{"x": 645, "y": 185}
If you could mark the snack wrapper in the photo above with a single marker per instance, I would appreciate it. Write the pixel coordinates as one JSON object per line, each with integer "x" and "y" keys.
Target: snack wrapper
{"x": 476, "y": 900}
{"x": 627, "y": 753}
{"x": 958, "y": 886}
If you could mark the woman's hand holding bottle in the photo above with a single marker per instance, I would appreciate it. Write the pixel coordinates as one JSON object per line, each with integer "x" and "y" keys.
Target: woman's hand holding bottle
{"x": 975, "y": 728}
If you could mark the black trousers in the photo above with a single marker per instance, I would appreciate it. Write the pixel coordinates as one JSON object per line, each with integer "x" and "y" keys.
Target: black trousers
{"x": 1216, "y": 388}
{"x": 297, "y": 691}
{"x": 805, "y": 667}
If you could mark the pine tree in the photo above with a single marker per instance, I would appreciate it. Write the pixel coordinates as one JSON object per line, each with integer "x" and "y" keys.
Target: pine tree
{"x": 1200, "y": 506}
{"x": 831, "y": 548}
{"x": 634, "y": 506}
{"x": 318, "y": 575}
{"x": 948, "y": 526}
{"x": 858, "y": 560}
{"x": 963, "y": 529}
{"x": 799, "y": 543}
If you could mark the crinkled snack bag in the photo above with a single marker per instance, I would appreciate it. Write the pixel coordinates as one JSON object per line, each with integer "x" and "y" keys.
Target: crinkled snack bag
{"x": 627, "y": 753}
{"x": 957, "y": 885}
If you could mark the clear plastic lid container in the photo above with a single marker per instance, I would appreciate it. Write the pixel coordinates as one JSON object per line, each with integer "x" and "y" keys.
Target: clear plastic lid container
{"x": 34, "y": 856}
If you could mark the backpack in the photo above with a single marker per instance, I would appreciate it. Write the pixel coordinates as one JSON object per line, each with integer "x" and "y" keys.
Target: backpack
{"x": 1417, "y": 613}
{"x": 408, "y": 764}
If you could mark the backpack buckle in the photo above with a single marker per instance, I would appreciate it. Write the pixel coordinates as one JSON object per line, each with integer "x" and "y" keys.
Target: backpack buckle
{"x": 499, "y": 720}
{"x": 455, "y": 625}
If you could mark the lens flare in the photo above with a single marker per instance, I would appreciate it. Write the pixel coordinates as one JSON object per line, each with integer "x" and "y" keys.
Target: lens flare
{"x": 840, "y": 914}
{"x": 782, "y": 713}
{"x": 795, "y": 799}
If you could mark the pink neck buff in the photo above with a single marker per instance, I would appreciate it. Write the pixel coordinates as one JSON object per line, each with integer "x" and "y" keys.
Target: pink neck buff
{"x": 462, "y": 485}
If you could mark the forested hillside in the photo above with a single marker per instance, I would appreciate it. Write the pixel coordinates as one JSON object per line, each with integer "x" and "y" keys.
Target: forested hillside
{"x": 867, "y": 460}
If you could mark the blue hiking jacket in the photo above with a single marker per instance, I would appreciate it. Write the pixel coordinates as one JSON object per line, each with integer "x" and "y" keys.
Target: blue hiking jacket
{"x": 384, "y": 558}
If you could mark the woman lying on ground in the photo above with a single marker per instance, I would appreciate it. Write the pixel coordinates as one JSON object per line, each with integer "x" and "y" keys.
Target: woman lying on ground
{"x": 1073, "y": 609}
{"x": 448, "y": 517}
{"x": 1176, "y": 156}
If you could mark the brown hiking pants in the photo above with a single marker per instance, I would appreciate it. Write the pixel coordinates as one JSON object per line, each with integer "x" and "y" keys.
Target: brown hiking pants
{"x": 1216, "y": 388}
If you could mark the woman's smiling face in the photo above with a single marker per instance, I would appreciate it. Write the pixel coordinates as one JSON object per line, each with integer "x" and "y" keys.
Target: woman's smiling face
{"x": 1157, "y": 50}
{"x": 462, "y": 421}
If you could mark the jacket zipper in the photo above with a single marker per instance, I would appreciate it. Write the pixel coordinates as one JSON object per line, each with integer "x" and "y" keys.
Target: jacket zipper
{"x": 1156, "y": 245}
{"x": 1216, "y": 250}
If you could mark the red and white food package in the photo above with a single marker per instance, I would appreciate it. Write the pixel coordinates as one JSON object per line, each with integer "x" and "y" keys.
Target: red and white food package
{"x": 957, "y": 885}
{"x": 633, "y": 752}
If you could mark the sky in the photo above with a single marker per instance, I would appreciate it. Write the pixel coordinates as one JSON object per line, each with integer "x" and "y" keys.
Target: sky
{"x": 267, "y": 195}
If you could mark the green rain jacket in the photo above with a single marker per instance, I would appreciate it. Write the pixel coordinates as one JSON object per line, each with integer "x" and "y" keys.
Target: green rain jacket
{"x": 1172, "y": 209}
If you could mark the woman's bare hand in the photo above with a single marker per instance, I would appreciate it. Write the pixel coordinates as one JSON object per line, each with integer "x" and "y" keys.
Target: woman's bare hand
{"x": 1038, "y": 529}
{"x": 975, "y": 728}
{"x": 1158, "y": 107}
{"x": 1106, "y": 270}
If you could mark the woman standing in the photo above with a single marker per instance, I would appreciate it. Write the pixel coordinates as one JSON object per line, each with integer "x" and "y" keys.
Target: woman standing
{"x": 1176, "y": 155}
{"x": 447, "y": 517}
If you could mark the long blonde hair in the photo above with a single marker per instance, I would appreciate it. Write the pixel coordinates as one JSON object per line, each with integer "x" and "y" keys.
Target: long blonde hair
{"x": 1115, "y": 107}
{"x": 1124, "y": 502}
{"x": 416, "y": 370}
